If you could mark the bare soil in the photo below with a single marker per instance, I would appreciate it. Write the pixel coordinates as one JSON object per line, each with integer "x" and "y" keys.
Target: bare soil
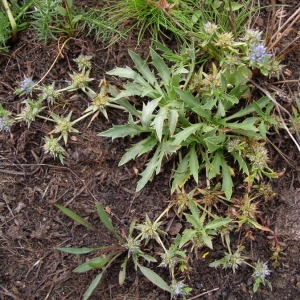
{"x": 31, "y": 183}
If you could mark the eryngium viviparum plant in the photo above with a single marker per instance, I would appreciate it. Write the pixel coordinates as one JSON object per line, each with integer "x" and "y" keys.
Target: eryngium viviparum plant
{"x": 198, "y": 112}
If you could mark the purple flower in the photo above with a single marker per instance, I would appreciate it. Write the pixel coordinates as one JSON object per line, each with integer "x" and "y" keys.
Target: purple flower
{"x": 258, "y": 54}
{"x": 4, "y": 125}
{"x": 261, "y": 270}
{"x": 27, "y": 85}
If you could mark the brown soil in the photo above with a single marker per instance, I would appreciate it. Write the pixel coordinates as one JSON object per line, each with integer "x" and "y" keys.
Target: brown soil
{"x": 32, "y": 182}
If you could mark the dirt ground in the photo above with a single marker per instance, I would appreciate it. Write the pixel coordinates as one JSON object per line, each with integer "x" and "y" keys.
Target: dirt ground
{"x": 31, "y": 182}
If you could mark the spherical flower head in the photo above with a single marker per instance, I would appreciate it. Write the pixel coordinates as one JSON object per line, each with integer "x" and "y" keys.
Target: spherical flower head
{"x": 83, "y": 62}
{"x": 258, "y": 54}
{"x": 210, "y": 28}
{"x": 225, "y": 40}
{"x": 49, "y": 93}
{"x": 261, "y": 270}
{"x": 252, "y": 37}
{"x": 4, "y": 124}
{"x": 27, "y": 85}
{"x": 132, "y": 245}
{"x": 53, "y": 147}
{"x": 177, "y": 288}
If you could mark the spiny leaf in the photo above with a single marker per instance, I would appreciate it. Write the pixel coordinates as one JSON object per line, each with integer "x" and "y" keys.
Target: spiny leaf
{"x": 74, "y": 216}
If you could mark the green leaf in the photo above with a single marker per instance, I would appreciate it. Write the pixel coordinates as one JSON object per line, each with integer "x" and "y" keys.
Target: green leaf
{"x": 215, "y": 142}
{"x": 143, "y": 68}
{"x": 122, "y": 273}
{"x": 235, "y": 6}
{"x": 92, "y": 286}
{"x": 161, "y": 67}
{"x": 120, "y": 131}
{"x": 76, "y": 250}
{"x": 61, "y": 10}
{"x": 185, "y": 133}
{"x": 187, "y": 235}
{"x": 262, "y": 102}
{"x": 155, "y": 278}
{"x": 187, "y": 98}
{"x": 75, "y": 217}
{"x": 217, "y": 223}
{"x": 173, "y": 119}
{"x": 147, "y": 112}
{"x": 159, "y": 120}
{"x": 207, "y": 241}
{"x": 153, "y": 166}
{"x": 131, "y": 74}
{"x": 215, "y": 165}
{"x": 227, "y": 184}
{"x": 94, "y": 263}
{"x": 104, "y": 218}
{"x": 138, "y": 149}
{"x": 181, "y": 174}
{"x": 194, "y": 164}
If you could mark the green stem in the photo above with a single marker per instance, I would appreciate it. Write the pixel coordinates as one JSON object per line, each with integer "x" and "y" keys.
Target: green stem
{"x": 11, "y": 20}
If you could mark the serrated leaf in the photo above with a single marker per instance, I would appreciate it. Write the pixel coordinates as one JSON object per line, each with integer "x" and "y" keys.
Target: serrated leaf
{"x": 147, "y": 112}
{"x": 185, "y": 133}
{"x": 207, "y": 241}
{"x": 215, "y": 165}
{"x": 159, "y": 120}
{"x": 138, "y": 149}
{"x": 181, "y": 174}
{"x": 187, "y": 98}
{"x": 131, "y": 74}
{"x": 161, "y": 67}
{"x": 120, "y": 131}
{"x": 217, "y": 223}
{"x": 143, "y": 68}
{"x": 215, "y": 142}
{"x": 242, "y": 164}
{"x": 155, "y": 278}
{"x": 153, "y": 166}
{"x": 187, "y": 235}
{"x": 92, "y": 286}
{"x": 74, "y": 216}
{"x": 262, "y": 102}
{"x": 76, "y": 250}
{"x": 173, "y": 119}
{"x": 105, "y": 218}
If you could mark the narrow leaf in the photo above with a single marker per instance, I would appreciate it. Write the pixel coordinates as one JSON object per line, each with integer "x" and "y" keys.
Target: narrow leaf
{"x": 187, "y": 98}
{"x": 76, "y": 250}
{"x": 185, "y": 133}
{"x": 227, "y": 184}
{"x": 155, "y": 278}
{"x": 104, "y": 218}
{"x": 194, "y": 164}
{"x": 74, "y": 216}
{"x": 161, "y": 67}
{"x": 92, "y": 286}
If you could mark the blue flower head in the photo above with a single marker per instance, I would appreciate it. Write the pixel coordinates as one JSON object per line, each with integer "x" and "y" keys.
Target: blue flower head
{"x": 177, "y": 288}
{"x": 4, "y": 124}
{"x": 261, "y": 270}
{"x": 27, "y": 85}
{"x": 258, "y": 54}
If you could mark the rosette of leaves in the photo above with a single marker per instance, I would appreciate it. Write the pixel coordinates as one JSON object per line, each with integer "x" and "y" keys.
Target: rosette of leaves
{"x": 194, "y": 126}
{"x": 118, "y": 247}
